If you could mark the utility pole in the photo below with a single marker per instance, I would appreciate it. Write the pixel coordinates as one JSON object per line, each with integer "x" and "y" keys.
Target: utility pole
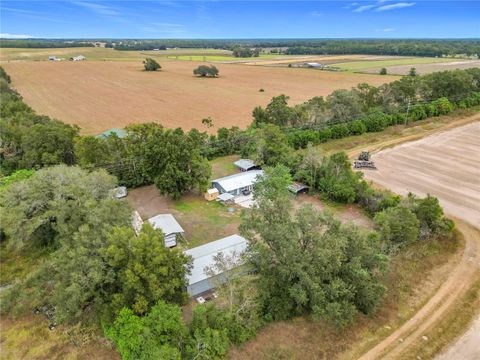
{"x": 408, "y": 109}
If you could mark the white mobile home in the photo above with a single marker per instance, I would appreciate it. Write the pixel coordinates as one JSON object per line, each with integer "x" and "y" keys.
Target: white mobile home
{"x": 198, "y": 281}
{"x": 237, "y": 183}
{"x": 169, "y": 226}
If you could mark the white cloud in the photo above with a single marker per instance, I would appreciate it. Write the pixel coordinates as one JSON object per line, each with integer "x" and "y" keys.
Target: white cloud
{"x": 385, "y": 30}
{"x": 97, "y": 8}
{"x": 364, "y": 8}
{"x": 400, "y": 5}
{"x": 15, "y": 36}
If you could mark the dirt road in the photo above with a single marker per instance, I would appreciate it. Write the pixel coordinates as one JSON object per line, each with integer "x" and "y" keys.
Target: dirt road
{"x": 445, "y": 165}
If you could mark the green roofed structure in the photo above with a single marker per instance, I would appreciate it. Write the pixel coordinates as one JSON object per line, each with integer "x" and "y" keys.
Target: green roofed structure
{"x": 118, "y": 132}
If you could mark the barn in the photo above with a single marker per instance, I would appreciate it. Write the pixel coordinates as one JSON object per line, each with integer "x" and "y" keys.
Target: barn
{"x": 236, "y": 184}
{"x": 169, "y": 226}
{"x": 203, "y": 256}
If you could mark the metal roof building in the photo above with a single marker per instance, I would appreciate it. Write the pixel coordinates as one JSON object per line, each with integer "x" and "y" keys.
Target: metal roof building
{"x": 245, "y": 164}
{"x": 236, "y": 183}
{"x": 198, "y": 281}
{"x": 120, "y": 133}
{"x": 169, "y": 226}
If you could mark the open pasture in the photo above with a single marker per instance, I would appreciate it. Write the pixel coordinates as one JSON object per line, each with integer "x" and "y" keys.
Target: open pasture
{"x": 445, "y": 165}
{"x": 98, "y": 95}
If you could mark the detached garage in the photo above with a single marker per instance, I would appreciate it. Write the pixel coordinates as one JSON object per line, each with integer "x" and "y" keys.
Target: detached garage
{"x": 198, "y": 281}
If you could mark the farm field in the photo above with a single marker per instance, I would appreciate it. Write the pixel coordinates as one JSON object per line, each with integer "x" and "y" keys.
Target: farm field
{"x": 102, "y": 95}
{"x": 373, "y": 64}
{"x": 445, "y": 165}
{"x": 101, "y": 54}
{"x": 431, "y": 67}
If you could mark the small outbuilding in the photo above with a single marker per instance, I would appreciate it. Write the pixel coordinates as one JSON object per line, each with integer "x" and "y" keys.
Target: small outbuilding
{"x": 78, "y": 58}
{"x": 236, "y": 184}
{"x": 298, "y": 188}
{"x": 246, "y": 164}
{"x": 211, "y": 194}
{"x": 119, "y": 192}
{"x": 169, "y": 226}
{"x": 52, "y": 58}
{"x": 203, "y": 256}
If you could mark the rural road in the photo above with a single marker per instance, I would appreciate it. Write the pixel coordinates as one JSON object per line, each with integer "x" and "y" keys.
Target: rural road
{"x": 424, "y": 177}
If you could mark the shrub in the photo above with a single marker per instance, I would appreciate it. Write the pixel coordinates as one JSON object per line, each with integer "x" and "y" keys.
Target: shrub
{"x": 443, "y": 106}
{"x": 398, "y": 226}
{"x": 151, "y": 65}
{"x": 324, "y": 134}
{"x": 357, "y": 127}
{"x": 339, "y": 131}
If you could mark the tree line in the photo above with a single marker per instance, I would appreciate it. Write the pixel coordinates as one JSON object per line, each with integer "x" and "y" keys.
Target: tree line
{"x": 44, "y": 43}
{"x": 401, "y": 47}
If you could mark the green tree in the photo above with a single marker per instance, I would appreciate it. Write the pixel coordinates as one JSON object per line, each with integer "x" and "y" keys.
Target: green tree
{"x": 412, "y": 72}
{"x": 398, "y": 226}
{"x": 146, "y": 270}
{"x": 48, "y": 144}
{"x": 158, "y": 335}
{"x": 307, "y": 262}
{"x": 383, "y": 71}
{"x": 151, "y": 64}
{"x": 272, "y": 146}
{"x": 205, "y": 70}
{"x": 50, "y": 206}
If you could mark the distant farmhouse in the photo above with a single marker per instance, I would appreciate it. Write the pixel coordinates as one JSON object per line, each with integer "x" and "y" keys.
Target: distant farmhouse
{"x": 203, "y": 256}
{"x": 237, "y": 184}
{"x": 169, "y": 226}
{"x": 78, "y": 58}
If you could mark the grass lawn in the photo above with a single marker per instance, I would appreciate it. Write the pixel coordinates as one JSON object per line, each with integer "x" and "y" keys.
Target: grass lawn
{"x": 17, "y": 264}
{"x": 223, "y": 57}
{"x": 205, "y": 221}
{"x": 224, "y": 166}
{"x": 377, "y": 64}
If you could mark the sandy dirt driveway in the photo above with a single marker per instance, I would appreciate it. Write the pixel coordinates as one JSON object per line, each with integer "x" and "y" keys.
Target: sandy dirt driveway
{"x": 446, "y": 165}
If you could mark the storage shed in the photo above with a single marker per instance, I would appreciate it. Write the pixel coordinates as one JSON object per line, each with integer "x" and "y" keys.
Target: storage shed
{"x": 245, "y": 164}
{"x": 236, "y": 183}
{"x": 169, "y": 226}
{"x": 198, "y": 281}
{"x": 211, "y": 194}
{"x": 298, "y": 188}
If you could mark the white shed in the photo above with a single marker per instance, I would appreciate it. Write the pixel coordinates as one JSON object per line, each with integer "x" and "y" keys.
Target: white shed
{"x": 169, "y": 226}
{"x": 198, "y": 281}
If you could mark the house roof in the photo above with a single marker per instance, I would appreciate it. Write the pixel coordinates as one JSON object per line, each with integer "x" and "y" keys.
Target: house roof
{"x": 212, "y": 191}
{"x": 245, "y": 164}
{"x": 295, "y": 187}
{"x": 203, "y": 255}
{"x": 119, "y": 132}
{"x": 166, "y": 223}
{"x": 240, "y": 180}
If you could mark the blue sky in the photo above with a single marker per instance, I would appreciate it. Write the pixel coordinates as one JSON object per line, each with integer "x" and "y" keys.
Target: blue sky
{"x": 240, "y": 19}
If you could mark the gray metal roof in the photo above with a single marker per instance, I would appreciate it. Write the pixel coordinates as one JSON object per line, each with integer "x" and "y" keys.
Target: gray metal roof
{"x": 225, "y": 197}
{"x": 203, "y": 255}
{"x": 238, "y": 181}
{"x": 245, "y": 164}
{"x": 166, "y": 223}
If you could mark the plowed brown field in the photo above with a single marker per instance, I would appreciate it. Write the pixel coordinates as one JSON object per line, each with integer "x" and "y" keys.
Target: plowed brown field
{"x": 101, "y": 95}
